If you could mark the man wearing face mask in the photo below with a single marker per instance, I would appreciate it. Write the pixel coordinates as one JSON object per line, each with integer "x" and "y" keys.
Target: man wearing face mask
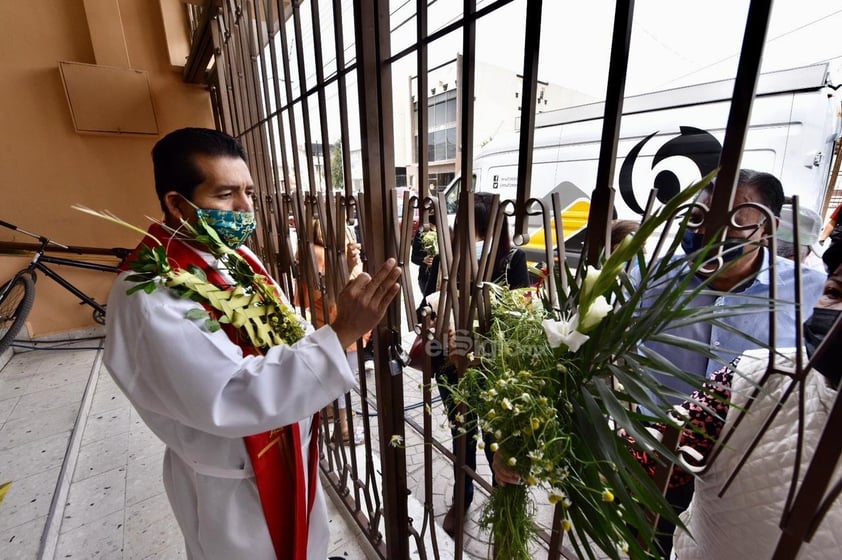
{"x": 239, "y": 420}
{"x": 744, "y": 522}
{"x": 744, "y": 277}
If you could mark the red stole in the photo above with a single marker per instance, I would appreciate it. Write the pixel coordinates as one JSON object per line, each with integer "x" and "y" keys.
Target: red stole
{"x": 276, "y": 454}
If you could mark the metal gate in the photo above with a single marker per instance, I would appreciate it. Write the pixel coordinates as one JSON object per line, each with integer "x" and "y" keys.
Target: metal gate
{"x": 279, "y": 75}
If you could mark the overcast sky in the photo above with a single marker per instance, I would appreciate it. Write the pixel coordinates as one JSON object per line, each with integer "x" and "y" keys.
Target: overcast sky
{"x": 674, "y": 42}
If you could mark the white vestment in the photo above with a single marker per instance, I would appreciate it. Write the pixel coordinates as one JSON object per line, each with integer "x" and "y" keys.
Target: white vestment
{"x": 743, "y": 524}
{"x": 200, "y": 395}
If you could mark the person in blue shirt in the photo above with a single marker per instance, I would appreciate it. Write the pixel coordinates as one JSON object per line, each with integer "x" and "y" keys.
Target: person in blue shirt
{"x": 747, "y": 274}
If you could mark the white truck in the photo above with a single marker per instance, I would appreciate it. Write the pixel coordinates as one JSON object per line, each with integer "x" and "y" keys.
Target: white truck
{"x": 669, "y": 139}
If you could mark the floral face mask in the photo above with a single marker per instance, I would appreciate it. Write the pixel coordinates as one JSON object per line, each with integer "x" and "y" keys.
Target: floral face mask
{"x": 234, "y": 227}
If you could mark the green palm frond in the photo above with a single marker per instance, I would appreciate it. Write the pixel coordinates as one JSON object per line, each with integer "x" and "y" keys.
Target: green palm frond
{"x": 553, "y": 411}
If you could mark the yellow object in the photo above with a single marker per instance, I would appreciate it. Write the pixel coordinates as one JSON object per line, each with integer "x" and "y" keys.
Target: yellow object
{"x": 4, "y": 489}
{"x": 574, "y": 219}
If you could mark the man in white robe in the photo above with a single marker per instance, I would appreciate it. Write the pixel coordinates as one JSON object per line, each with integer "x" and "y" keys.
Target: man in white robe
{"x": 202, "y": 393}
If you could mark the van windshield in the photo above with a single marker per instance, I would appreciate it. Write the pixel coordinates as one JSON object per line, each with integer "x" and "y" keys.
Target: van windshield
{"x": 451, "y": 195}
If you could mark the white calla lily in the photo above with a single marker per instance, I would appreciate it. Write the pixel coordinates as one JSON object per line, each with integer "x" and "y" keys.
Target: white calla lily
{"x": 564, "y": 332}
{"x": 594, "y": 315}
{"x": 591, "y": 275}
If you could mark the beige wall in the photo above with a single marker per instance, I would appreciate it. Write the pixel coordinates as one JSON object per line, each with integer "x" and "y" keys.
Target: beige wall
{"x": 45, "y": 166}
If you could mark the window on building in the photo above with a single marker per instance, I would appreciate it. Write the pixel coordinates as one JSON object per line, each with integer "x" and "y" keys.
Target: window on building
{"x": 400, "y": 176}
{"x": 441, "y": 114}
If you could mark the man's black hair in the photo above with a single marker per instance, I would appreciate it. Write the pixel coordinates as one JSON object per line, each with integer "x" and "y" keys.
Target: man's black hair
{"x": 764, "y": 184}
{"x": 173, "y": 159}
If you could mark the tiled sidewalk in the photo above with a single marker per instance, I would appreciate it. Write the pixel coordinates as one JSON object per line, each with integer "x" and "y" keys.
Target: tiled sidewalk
{"x": 85, "y": 471}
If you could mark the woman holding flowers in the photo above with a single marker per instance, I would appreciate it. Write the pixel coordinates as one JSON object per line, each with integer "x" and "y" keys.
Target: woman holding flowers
{"x": 424, "y": 250}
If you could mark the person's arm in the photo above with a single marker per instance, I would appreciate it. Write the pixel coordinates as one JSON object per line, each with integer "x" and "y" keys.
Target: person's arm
{"x": 175, "y": 367}
{"x": 432, "y": 277}
{"x": 828, "y": 229}
{"x": 353, "y": 250}
{"x": 831, "y": 224}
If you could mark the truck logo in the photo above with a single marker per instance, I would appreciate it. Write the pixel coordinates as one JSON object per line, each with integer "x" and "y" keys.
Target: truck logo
{"x": 698, "y": 145}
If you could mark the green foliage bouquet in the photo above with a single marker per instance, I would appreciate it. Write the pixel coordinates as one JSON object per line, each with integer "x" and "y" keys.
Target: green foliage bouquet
{"x": 558, "y": 377}
{"x": 430, "y": 242}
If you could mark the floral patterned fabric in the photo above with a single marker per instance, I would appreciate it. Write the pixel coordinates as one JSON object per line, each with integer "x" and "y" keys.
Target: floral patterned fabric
{"x": 706, "y": 410}
{"x": 234, "y": 227}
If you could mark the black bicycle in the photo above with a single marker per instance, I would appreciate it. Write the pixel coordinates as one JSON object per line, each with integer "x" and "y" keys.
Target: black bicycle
{"x": 18, "y": 294}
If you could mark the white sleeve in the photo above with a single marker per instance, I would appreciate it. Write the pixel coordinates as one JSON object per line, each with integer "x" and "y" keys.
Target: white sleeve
{"x": 176, "y": 368}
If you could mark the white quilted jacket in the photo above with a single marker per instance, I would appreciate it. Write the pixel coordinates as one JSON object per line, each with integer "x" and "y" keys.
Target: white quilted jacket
{"x": 743, "y": 524}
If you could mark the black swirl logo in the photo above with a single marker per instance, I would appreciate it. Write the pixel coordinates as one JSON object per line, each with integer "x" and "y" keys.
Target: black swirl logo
{"x": 697, "y": 145}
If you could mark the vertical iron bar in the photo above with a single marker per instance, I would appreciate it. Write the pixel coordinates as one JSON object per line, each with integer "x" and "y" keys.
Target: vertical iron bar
{"x": 738, "y": 117}
{"x": 297, "y": 199}
{"x": 284, "y": 254}
{"x": 274, "y": 59}
{"x": 235, "y": 64}
{"x": 293, "y": 134}
{"x": 531, "y": 47}
{"x": 320, "y": 95}
{"x": 422, "y": 121}
{"x": 343, "y": 105}
{"x": 221, "y": 66}
{"x": 602, "y": 199}
{"x": 305, "y": 102}
{"x": 259, "y": 141}
{"x": 374, "y": 81}
{"x": 466, "y": 138}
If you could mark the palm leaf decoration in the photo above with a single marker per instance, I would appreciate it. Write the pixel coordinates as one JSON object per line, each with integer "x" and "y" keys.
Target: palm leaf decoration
{"x": 252, "y": 305}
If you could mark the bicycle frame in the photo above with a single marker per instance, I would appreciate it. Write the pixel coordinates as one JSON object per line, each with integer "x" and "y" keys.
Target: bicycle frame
{"x": 39, "y": 263}
{"x": 40, "y": 260}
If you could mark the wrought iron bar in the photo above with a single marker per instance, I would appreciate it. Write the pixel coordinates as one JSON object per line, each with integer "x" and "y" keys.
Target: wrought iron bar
{"x": 374, "y": 83}
{"x": 531, "y": 48}
{"x": 201, "y": 45}
{"x": 602, "y": 200}
{"x": 345, "y": 135}
{"x": 284, "y": 255}
{"x": 305, "y": 102}
{"x": 738, "y": 117}
{"x": 221, "y": 73}
{"x": 422, "y": 84}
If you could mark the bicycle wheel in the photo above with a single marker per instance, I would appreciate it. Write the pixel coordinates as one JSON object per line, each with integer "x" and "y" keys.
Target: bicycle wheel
{"x": 16, "y": 299}
{"x": 99, "y": 316}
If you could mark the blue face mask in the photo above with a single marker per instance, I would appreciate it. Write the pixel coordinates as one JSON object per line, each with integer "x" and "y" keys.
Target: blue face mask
{"x": 731, "y": 248}
{"x": 234, "y": 227}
